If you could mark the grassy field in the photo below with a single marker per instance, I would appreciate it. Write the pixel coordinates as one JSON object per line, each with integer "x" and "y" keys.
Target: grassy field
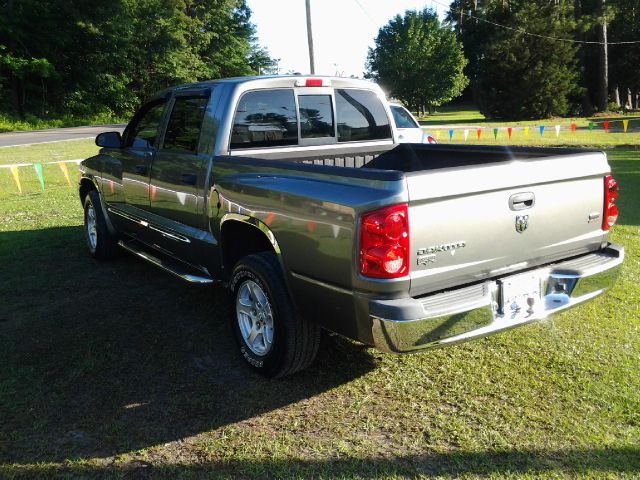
{"x": 115, "y": 370}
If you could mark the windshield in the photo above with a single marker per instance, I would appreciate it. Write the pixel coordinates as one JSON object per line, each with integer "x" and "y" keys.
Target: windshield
{"x": 403, "y": 118}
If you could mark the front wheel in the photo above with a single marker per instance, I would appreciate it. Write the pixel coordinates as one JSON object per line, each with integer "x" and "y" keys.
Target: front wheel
{"x": 101, "y": 242}
{"x": 273, "y": 338}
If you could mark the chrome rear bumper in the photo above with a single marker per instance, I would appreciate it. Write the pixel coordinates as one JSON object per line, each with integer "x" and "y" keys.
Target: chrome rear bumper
{"x": 410, "y": 324}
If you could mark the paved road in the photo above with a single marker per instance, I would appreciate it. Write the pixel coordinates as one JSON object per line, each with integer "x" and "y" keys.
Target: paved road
{"x": 55, "y": 134}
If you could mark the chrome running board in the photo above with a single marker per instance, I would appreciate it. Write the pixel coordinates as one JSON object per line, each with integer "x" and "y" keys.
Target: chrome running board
{"x": 175, "y": 267}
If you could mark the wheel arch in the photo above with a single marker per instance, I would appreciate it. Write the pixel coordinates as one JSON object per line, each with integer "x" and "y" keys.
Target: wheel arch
{"x": 86, "y": 185}
{"x": 241, "y": 235}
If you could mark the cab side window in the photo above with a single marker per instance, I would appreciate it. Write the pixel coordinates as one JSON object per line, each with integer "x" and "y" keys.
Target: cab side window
{"x": 265, "y": 118}
{"x": 361, "y": 116}
{"x": 145, "y": 127}
{"x": 185, "y": 124}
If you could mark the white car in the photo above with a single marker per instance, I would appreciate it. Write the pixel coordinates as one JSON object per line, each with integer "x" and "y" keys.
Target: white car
{"x": 409, "y": 130}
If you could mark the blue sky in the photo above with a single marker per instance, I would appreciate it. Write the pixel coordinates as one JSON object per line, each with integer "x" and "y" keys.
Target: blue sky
{"x": 342, "y": 31}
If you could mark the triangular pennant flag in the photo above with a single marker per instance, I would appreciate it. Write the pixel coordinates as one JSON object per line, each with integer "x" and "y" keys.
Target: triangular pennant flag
{"x": 557, "y": 127}
{"x": 509, "y": 130}
{"x": 573, "y": 128}
{"x": 111, "y": 187}
{"x": 65, "y": 172}
{"x": 466, "y": 134}
{"x": 606, "y": 125}
{"x": 479, "y": 132}
{"x": 625, "y": 125}
{"x": 450, "y": 134}
{"x": 16, "y": 178}
{"x": 311, "y": 226}
{"x": 437, "y": 134}
{"x": 38, "y": 168}
{"x": 153, "y": 191}
{"x": 590, "y": 126}
{"x": 495, "y": 133}
{"x": 336, "y": 230}
{"x": 541, "y": 128}
{"x": 182, "y": 197}
{"x": 526, "y": 132}
{"x": 269, "y": 219}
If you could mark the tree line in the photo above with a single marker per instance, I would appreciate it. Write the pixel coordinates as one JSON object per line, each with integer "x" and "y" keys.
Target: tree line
{"x": 516, "y": 59}
{"x": 83, "y": 57}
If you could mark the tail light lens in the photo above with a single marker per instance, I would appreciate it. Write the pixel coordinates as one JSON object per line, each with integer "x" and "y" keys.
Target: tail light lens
{"x": 610, "y": 214}
{"x": 384, "y": 242}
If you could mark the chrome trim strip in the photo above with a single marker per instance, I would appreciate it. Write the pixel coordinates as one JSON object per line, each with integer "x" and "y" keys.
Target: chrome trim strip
{"x": 164, "y": 232}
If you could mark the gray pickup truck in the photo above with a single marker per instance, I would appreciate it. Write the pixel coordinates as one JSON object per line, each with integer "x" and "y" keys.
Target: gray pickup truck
{"x": 295, "y": 193}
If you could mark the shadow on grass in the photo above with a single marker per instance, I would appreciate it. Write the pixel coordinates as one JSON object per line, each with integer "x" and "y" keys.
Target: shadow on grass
{"x": 595, "y": 462}
{"x": 105, "y": 358}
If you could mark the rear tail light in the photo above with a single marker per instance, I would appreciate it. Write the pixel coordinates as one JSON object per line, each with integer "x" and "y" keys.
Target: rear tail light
{"x": 384, "y": 242}
{"x": 430, "y": 139}
{"x": 610, "y": 214}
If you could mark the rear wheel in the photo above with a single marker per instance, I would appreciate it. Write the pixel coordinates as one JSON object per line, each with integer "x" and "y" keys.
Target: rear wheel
{"x": 273, "y": 338}
{"x": 101, "y": 242}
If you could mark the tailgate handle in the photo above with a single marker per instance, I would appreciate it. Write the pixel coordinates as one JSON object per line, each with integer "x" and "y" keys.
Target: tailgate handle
{"x": 522, "y": 201}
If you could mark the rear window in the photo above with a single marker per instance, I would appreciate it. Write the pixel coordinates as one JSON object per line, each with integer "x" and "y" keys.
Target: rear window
{"x": 316, "y": 116}
{"x": 265, "y": 119}
{"x": 360, "y": 116}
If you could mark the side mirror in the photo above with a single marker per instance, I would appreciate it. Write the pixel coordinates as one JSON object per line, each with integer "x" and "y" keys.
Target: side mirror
{"x": 109, "y": 140}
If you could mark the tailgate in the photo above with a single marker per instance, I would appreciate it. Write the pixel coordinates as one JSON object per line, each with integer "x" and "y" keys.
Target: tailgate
{"x": 472, "y": 223}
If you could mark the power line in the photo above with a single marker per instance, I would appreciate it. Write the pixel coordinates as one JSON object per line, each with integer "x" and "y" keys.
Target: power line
{"x": 524, "y": 32}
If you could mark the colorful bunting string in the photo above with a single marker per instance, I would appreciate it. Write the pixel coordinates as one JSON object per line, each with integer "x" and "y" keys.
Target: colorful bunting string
{"x": 495, "y": 133}
{"x": 466, "y": 134}
{"x": 557, "y": 127}
{"x": 38, "y": 168}
{"x": 541, "y": 128}
{"x": 625, "y": 125}
{"x": 509, "y": 129}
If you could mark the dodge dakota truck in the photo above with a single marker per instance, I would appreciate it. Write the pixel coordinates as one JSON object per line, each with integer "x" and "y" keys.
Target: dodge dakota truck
{"x": 294, "y": 193}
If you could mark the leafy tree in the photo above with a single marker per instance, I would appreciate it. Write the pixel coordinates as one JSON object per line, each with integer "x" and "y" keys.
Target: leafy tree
{"x": 418, "y": 60}
{"x": 625, "y": 58}
{"x": 89, "y": 56}
{"x": 515, "y": 74}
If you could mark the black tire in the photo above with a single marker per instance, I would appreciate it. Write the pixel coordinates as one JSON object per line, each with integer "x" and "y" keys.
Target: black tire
{"x": 294, "y": 340}
{"x": 102, "y": 244}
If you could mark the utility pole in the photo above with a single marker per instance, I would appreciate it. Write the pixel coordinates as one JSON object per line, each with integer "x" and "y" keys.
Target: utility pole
{"x": 312, "y": 67}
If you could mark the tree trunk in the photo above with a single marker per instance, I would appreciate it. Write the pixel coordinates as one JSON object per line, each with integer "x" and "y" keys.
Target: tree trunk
{"x": 603, "y": 84}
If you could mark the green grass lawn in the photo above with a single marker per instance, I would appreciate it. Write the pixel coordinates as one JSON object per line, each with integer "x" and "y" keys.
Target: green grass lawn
{"x": 116, "y": 370}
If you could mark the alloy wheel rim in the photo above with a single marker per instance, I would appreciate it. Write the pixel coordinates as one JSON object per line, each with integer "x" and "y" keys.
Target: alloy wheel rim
{"x": 255, "y": 317}
{"x": 92, "y": 232}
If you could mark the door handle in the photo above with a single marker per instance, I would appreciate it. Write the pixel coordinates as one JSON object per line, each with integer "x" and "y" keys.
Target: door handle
{"x": 188, "y": 178}
{"x": 141, "y": 169}
{"x": 522, "y": 201}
